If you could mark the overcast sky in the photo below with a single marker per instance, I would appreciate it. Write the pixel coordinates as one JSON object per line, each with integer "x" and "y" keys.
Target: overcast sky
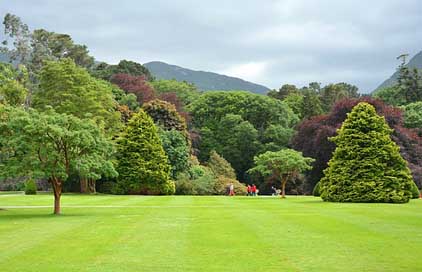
{"x": 265, "y": 41}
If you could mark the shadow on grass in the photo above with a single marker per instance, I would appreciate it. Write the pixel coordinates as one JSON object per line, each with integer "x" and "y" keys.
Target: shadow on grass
{"x": 47, "y": 215}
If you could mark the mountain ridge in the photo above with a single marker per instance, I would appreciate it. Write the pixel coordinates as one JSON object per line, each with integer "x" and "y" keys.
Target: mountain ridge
{"x": 204, "y": 80}
{"x": 414, "y": 62}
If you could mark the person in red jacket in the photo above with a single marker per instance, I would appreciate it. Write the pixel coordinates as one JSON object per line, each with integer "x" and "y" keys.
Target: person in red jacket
{"x": 249, "y": 190}
{"x": 253, "y": 190}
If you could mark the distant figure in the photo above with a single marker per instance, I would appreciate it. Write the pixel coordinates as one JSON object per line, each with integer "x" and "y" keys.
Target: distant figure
{"x": 249, "y": 190}
{"x": 274, "y": 191}
{"x": 253, "y": 189}
{"x": 231, "y": 189}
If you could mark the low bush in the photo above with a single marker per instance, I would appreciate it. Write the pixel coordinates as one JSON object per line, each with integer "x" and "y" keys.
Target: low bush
{"x": 316, "y": 191}
{"x": 30, "y": 187}
{"x": 222, "y": 183}
{"x": 415, "y": 191}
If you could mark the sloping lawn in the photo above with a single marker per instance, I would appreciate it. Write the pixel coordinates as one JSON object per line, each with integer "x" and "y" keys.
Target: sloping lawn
{"x": 183, "y": 233}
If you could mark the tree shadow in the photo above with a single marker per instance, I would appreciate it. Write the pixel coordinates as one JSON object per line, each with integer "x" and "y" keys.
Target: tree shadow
{"x": 47, "y": 215}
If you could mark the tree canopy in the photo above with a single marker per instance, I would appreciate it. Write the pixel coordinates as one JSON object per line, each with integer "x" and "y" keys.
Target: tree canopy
{"x": 284, "y": 164}
{"x": 366, "y": 165}
{"x": 52, "y": 145}
{"x": 142, "y": 162}
{"x": 67, "y": 88}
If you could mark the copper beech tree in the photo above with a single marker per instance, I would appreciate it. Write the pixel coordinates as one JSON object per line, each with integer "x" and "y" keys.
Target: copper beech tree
{"x": 286, "y": 164}
{"x": 51, "y": 145}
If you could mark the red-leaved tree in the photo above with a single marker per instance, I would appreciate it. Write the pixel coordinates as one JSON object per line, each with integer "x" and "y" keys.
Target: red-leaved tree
{"x": 173, "y": 99}
{"x": 137, "y": 85}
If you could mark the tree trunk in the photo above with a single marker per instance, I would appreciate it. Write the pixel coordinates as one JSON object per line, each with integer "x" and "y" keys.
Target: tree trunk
{"x": 283, "y": 186}
{"x": 57, "y": 189}
{"x": 84, "y": 185}
{"x": 91, "y": 186}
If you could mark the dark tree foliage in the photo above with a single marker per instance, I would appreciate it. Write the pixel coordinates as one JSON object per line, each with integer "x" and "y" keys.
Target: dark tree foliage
{"x": 173, "y": 99}
{"x": 106, "y": 71}
{"x": 332, "y": 93}
{"x": 165, "y": 115}
{"x": 366, "y": 165}
{"x": 283, "y": 92}
{"x": 409, "y": 83}
{"x": 312, "y": 138}
{"x": 177, "y": 150}
{"x": 137, "y": 85}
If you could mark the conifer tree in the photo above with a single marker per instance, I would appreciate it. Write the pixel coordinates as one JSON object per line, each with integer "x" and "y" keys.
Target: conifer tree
{"x": 366, "y": 165}
{"x": 142, "y": 163}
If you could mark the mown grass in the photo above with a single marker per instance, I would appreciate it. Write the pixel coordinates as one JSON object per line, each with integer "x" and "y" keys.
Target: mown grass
{"x": 184, "y": 233}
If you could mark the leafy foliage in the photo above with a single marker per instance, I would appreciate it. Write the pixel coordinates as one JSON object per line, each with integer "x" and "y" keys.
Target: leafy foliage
{"x": 285, "y": 164}
{"x": 413, "y": 115}
{"x": 69, "y": 89}
{"x": 312, "y": 138}
{"x": 185, "y": 91}
{"x": 52, "y": 145}
{"x": 366, "y": 165}
{"x": 177, "y": 150}
{"x": 30, "y": 187}
{"x": 233, "y": 124}
{"x": 142, "y": 161}
{"x": 106, "y": 71}
{"x": 165, "y": 115}
{"x": 136, "y": 85}
{"x": 222, "y": 183}
{"x": 220, "y": 167}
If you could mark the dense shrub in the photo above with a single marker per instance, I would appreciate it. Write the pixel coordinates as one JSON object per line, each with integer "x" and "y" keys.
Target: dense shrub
{"x": 184, "y": 185}
{"x": 366, "y": 165}
{"x": 30, "y": 187}
{"x": 415, "y": 191}
{"x": 316, "y": 191}
{"x": 106, "y": 187}
{"x": 222, "y": 183}
{"x": 220, "y": 167}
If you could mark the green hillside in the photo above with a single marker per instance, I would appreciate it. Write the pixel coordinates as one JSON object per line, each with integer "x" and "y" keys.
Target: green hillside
{"x": 203, "y": 80}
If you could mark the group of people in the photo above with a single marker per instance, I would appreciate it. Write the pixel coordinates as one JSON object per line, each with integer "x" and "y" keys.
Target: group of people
{"x": 251, "y": 190}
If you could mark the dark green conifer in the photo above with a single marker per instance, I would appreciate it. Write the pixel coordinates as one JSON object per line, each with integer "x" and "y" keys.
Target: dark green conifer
{"x": 142, "y": 163}
{"x": 366, "y": 165}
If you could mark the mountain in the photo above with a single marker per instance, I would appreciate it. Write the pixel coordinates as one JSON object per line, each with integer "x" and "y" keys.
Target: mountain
{"x": 205, "y": 81}
{"x": 415, "y": 62}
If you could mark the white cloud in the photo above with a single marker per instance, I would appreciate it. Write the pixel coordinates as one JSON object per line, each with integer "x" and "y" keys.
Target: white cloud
{"x": 253, "y": 71}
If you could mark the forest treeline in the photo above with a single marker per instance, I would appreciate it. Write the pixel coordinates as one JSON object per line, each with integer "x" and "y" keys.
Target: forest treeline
{"x": 87, "y": 126}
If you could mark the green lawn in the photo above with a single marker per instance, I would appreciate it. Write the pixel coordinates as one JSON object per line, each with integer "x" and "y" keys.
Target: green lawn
{"x": 183, "y": 233}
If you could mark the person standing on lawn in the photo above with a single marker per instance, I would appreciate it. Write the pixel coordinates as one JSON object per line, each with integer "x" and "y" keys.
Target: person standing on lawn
{"x": 249, "y": 190}
{"x": 253, "y": 189}
{"x": 231, "y": 189}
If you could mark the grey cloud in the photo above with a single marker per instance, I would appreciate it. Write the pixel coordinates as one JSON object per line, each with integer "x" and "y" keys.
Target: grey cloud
{"x": 290, "y": 41}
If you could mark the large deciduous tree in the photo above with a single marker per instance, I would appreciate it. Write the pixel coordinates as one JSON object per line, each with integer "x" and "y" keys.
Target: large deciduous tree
{"x": 142, "y": 162}
{"x": 186, "y": 92}
{"x": 366, "y": 165}
{"x": 52, "y": 145}
{"x": 284, "y": 164}
{"x": 67, "y": 88}
{"x": 238, "y": 124}
{"x": 137, "y": 85}
{"x": 165, "y": 115}
{"x": 177, "y": 150}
